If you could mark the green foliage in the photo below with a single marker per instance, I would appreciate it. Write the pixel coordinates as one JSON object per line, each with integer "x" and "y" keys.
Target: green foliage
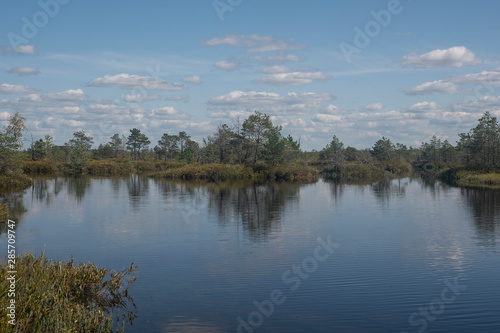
{"x": 109, "y": 168}
{"x": 333, "y": 152}
{"x": 255, "y": 130}
{"x": 42, "y": 167}
{"x": 81, "y": 138}
{"x": 210, "y": 172}
{"x": 383, "y": 149}
{"x": 136, "y": 142}
{"x": 14, "y": 181}
{"x": 79, "y": 156}
{"x": 4, "y": 213}
{"x": 64, "y": 297}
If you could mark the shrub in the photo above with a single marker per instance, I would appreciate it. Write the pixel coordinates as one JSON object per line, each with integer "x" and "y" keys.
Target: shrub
{"x": 63, "y": 297}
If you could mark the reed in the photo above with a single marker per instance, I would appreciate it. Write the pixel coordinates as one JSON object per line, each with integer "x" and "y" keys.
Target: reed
{"x": 58, "y": 296}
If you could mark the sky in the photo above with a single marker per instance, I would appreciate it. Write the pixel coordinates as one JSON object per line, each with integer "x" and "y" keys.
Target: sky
{"x": 360, "y": 70}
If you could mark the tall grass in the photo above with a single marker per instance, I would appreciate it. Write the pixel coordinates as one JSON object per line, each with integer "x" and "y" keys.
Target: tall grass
{"x": 14, "y": 181}
{"x": 210, "y": 172}
{"x": 4, "y": 214}
{"x": 64, "y": 297}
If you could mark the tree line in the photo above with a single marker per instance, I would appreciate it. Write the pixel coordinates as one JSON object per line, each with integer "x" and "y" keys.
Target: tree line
{"x": 256, "y": 141}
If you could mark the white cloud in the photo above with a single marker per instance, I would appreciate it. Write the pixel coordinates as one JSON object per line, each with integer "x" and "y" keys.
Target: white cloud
{"x": 375, "y": 107}
{"x": 423, "y": 106}
{"x": 279, "y": 58}
{"x": 293, "y": 78}
{"x": 6, "y": 88}
{"x": 168, "y": 112}
{"x": 254, "y": 43}
{"x": 127, "y": 81}
{"x": 483, "y": 80}
{"x": 233, "y": 114}
{"x": 435, "y": 87}
{"x": 178, "y": 98}
{"x": 23, "y": 71}
{"x": 272, "y": 103}
{"x": 138, "y": 98}
{"x": 229, "y": 65}
{"x": 51, "y": 122}
{"x": 192, "y": 79}
{"x": 21, "y": 49}
{"x": 275, "y": 69}
{"x": 457, "y": 56}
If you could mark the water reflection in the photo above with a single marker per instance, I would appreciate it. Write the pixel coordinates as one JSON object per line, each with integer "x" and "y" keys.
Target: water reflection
{"x": 258, "y": 208}
{"x": 484, "y": 206}
{"x": 387, "y": 188}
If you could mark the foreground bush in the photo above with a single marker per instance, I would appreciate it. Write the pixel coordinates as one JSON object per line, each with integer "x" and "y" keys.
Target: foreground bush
{"x": 14, "y": 181}
{"x": 4, "y": 213}
{"x": 63, "y": 297}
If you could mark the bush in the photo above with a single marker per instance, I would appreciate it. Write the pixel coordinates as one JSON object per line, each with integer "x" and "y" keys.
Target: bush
{"x": 14, "y": 181}
{"x": 4, "y": 213}
{"x": 42, "y": 167}
{"x": 211, "y": 172}
{"x": 63, "y": 297}
{"x": 108, "y": 168}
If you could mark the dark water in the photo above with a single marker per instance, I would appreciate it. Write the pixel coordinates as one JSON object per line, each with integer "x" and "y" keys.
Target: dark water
{"x": 395, "y": 256}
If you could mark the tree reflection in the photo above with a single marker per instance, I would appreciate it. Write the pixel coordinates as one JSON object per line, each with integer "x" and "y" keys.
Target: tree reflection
{"x": 484, "y": 205}
{"x": 77, "y": 186}
{"x": 257, "y": 208}
{"x": 388, "y": 188}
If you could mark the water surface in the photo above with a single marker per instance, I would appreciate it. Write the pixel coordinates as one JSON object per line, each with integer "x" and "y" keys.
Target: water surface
{"x": 409, "y": 255}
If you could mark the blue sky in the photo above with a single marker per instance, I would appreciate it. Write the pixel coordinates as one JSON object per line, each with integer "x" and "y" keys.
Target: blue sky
{"x": 360, "y": 70}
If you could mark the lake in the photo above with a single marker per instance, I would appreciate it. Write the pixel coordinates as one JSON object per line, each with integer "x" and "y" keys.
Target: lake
{"x": 400, "y": 255}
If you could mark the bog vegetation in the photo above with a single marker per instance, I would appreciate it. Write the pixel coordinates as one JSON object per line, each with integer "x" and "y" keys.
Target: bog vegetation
{"x": 252, "y": 149}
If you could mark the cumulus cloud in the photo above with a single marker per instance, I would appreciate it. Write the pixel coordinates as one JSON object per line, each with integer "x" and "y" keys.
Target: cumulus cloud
{"x": 68, "y": 101}
{"x": 278, "y": 59}
{"x": 178, "y": 98}
{"x": 293, "y": 78}
{"x": 127, "y": 81}
{"x": 6, "y": 88}
{"x": 21, "y": 49}
{"x": 23, "y": 71}
{"x": 457, "y": 56}
{"x": 229, "y": 65}
{"x": 138, "y": 98}
{"x": 269, "y": 102}
{"x": 254, "y": 43}
{"x": 192, "y": 79}
{"x": 434, "y": 87}
{"x": 275, "y": 69}
{"x": 232, "y": 114}
{"x": 451, "y": 85}
{"x": 375, "y": 107}
{"x": 168, "y": 112}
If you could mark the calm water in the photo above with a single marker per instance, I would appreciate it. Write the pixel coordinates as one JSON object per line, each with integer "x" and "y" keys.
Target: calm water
{"x": 407, "y": 255}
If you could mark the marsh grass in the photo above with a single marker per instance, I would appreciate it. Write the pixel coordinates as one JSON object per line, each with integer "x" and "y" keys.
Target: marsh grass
{"x": 58, "y": 296}
{"x": 209, "y": 172}
{"x": 14, "y": 181}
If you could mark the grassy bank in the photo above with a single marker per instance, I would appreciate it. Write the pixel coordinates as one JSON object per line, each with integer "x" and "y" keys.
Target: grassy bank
{"x": 466, "y": 177}
{"x": 64, "y": 297}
